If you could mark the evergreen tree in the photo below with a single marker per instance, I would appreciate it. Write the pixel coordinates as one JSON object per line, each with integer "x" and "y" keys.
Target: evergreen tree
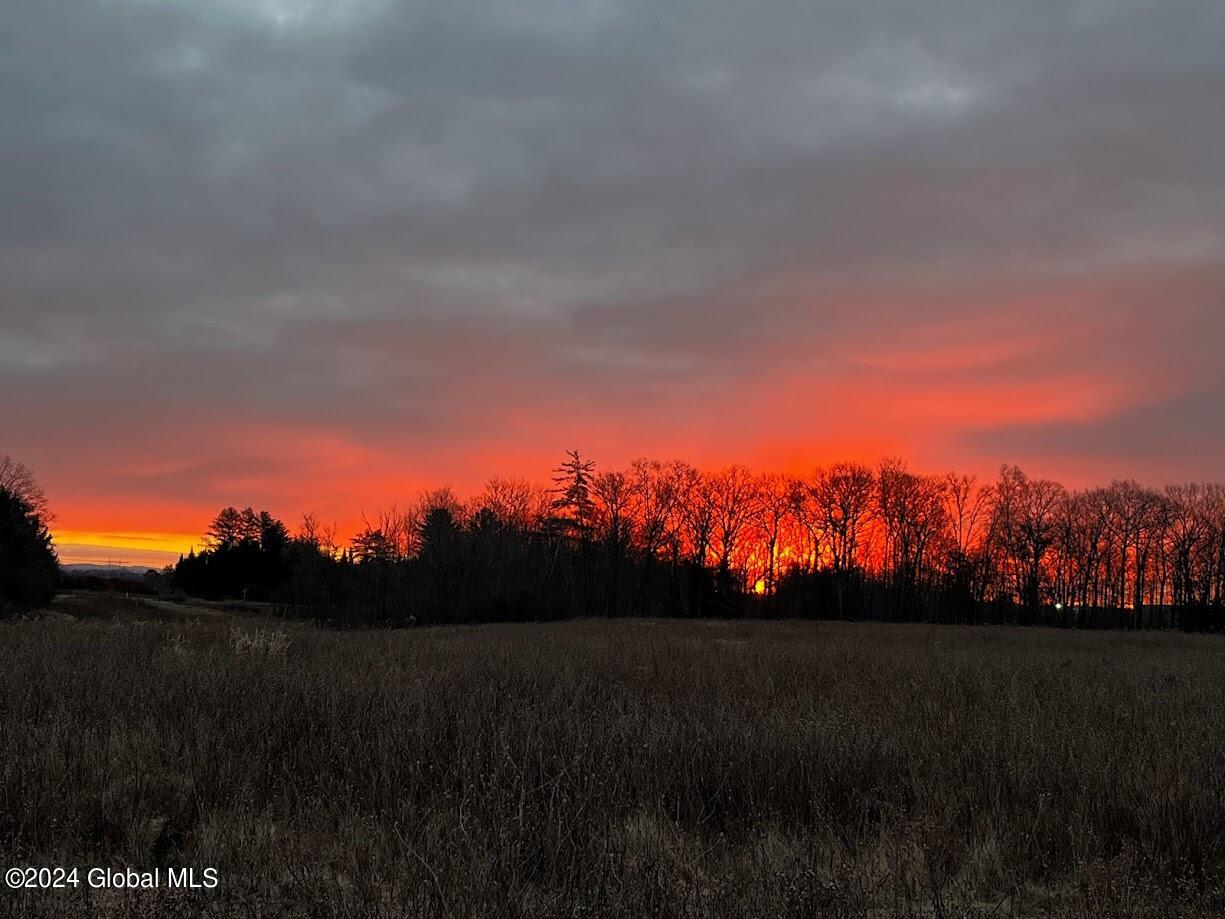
{"x": 440, "y": 563}
{"x": 225, "y": 532}
{"x": 573, "y": 508}
{"x": 28, "y": 566}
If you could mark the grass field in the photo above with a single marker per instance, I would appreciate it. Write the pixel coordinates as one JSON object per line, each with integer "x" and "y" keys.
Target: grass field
{"x": 612, "y": 768}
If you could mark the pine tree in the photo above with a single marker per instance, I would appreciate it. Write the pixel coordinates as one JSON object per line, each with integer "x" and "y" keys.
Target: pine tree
{"x": 225, "y": 532}
{"x": 573, "y": 509}
{"x": 28, "y": 566}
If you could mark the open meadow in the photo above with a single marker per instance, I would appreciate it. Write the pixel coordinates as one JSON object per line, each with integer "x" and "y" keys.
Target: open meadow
{"x": 624, "y": 768}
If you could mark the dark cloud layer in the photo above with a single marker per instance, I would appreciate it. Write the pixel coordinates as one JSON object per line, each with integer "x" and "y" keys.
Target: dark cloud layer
{"x": 248, "y": 244}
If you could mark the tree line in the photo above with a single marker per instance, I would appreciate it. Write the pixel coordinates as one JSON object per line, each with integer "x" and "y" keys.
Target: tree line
{"x": 28, "y": 565}
{"x": 848, "y": 541}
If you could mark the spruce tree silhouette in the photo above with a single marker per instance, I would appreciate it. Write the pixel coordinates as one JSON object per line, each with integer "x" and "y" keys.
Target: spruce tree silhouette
{"x": 28, "y": 566}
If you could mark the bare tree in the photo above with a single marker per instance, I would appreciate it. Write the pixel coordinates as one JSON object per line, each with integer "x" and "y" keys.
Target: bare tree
{"x": 775, "y": 506}
{"x": 656, "y": 490}
{"x": 1135, "y": 516}
{"x": 513, "y": 501}
{"x": 736, "y": 497}
{"x": 1025, "y": 524}
{"x": 914, "y": 517}
{"x": 699, "y": 508}
{"x": 613, "y": 499}
{"x": 320, "y": 537}
{"x": 18, "y": 480}
{"x": 843, "y": 496}
{"x": 969, "y": 511}
{"x": 1191, "y": 542}
{"x": 809, "y": 522}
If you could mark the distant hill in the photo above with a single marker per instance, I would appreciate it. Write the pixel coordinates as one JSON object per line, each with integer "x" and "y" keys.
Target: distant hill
{"x": 107, "y": 571}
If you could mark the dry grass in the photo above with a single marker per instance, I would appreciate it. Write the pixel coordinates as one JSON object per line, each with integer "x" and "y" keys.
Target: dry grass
{"x": 615, "y": 768}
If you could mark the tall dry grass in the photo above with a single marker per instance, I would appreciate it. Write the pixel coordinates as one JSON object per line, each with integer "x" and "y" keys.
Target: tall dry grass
{"x": 616, "y": 768}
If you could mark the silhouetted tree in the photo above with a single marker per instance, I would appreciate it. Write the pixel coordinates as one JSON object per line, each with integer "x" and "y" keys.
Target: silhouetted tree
{"x": 244, "y": 557}
{"x": 19, "y": 481}
{"x": 775, "y": 506}
{"x": 28, "y": 566}
{"x": 736, "y": 502}
{"x": 1026, "y": 527}
{"x": 441, "y": 565}
{"x": 226, "y": 530}
{"x": 573, "y": 509}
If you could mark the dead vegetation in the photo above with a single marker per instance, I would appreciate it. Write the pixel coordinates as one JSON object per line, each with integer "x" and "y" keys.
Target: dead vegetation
{"x": 614, "y": 768}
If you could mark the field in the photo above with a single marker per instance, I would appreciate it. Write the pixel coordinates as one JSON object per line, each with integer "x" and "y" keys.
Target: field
{"x": 622, "y": 768}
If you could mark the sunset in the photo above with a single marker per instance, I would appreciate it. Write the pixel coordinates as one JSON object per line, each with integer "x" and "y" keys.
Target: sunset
{"x": 801, "y": 339}
{"x": 317, "y": 258}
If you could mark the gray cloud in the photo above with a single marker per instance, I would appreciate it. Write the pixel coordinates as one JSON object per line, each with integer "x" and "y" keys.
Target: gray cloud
{"x": 371, "y": 215}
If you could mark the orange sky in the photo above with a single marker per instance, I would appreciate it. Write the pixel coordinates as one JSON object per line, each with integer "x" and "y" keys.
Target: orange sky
{"x": 1069, "y": 390}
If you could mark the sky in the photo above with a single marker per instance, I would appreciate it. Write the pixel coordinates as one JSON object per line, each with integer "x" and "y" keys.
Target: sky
{"x": 319, "y": 255}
